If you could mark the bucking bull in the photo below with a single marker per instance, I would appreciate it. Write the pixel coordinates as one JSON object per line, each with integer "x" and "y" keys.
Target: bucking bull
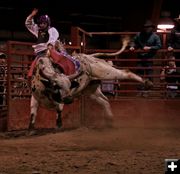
{"x": 59, "y": 77}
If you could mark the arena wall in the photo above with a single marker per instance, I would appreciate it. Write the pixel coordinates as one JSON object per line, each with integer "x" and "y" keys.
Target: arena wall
{"x": 146, "y": 113}
{"x": 137, "y": 113}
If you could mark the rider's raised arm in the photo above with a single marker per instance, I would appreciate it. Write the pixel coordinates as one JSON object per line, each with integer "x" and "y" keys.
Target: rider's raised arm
{"x": 30, "y": 24}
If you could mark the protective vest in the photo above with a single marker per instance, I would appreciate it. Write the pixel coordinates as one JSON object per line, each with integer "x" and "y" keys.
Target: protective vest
{"x": 43, "y": 36}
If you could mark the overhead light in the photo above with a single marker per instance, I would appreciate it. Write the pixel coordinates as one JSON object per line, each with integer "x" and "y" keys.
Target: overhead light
{"x": 165, "y": 21}
{"x": 165, "y": 25}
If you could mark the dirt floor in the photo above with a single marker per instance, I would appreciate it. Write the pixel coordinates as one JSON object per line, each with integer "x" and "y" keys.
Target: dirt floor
{"x": 125, "y": 150}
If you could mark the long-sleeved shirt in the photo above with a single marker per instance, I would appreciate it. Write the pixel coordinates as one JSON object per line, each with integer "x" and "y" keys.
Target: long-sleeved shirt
{"x": 34, "y": 29}
{"x": 152, "y": 40}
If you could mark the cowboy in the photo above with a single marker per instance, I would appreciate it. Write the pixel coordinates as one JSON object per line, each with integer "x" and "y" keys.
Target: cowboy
{"x": 47, "y": 39}
{"x": 149, "y": 42}
{"x": 45, "y": 34}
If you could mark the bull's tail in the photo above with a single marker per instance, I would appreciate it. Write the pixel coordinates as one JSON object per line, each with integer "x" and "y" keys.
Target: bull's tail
{"x": 125, "y": 42}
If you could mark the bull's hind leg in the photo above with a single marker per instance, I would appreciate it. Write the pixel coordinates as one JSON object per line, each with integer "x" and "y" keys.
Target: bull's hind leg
{"x": 101, "y": 99}
{"x": 34, "y": 108}
{"x": 104, "y": 71}
{"x": 126, "y": 74}
{"x": 122, "y": 75}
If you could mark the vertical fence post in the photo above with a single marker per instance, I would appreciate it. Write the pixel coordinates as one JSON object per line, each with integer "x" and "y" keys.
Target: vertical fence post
{"x": 75, "y": 36}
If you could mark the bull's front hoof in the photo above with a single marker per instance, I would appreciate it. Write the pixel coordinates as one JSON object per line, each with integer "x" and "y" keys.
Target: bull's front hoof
{"x": 148, "y": 84}
{"x": 32, "y": 132}
{"x": 31, "y": 126}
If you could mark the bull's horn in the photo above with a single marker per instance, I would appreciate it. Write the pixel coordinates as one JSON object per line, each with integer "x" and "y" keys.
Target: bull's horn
{"x": 125, "y": 42}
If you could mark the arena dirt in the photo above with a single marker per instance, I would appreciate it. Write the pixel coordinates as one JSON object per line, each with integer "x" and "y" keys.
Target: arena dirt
{"x": 123, "y": 150}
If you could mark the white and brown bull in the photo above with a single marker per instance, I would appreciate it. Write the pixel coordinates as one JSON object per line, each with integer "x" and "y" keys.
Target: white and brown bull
{"x": 52, "y": 89}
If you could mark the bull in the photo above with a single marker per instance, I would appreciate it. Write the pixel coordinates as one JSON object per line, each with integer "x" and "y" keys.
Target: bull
{"x": 52, "y": 87}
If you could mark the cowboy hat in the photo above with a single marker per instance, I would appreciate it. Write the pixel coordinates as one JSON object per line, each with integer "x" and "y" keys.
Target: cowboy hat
{"x": 177, "y": 19}
{"x": 148, "y": 23}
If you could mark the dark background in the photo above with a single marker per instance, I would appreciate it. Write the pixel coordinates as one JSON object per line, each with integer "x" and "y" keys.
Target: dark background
{"x": 90, "y": 15}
